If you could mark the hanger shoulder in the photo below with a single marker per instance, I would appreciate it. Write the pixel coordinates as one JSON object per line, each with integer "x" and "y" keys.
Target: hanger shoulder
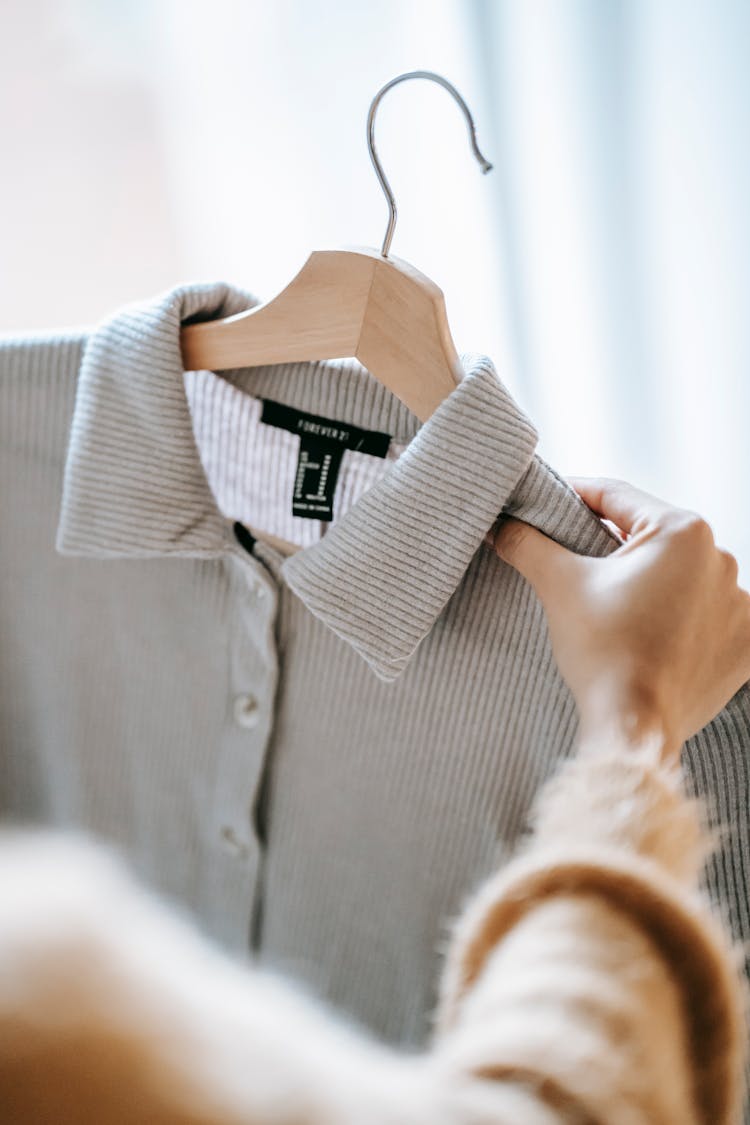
{"x": 318, "y": 315}
{"x": 406, "y": 341}
{"x": 342, "y": 303}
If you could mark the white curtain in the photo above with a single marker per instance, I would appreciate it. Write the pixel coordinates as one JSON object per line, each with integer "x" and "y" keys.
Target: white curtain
{"x": 604, "y": 264}
{"x": 623, "y": 130}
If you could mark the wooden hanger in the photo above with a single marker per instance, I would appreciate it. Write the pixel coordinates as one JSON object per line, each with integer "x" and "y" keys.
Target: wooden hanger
{"x": 352, "y": 301}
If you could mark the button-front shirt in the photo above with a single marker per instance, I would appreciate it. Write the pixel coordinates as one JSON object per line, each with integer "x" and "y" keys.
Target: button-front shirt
{"x": 319, "y": 753}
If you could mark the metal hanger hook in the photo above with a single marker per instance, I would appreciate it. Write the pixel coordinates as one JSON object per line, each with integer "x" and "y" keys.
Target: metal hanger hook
{"x": 484, "y": 164}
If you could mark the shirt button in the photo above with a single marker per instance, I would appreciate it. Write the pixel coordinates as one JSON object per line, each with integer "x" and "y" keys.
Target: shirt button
{"x": 232, "y": 843}
{"x": 258, "y": 591}
{"x": 246, "y": 711}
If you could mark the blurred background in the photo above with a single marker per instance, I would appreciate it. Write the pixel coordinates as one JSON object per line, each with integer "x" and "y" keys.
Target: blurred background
{"x": 604, "y": 264}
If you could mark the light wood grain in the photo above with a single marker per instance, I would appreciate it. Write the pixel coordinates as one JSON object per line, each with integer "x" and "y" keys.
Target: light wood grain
{"x": 350, "y": 302}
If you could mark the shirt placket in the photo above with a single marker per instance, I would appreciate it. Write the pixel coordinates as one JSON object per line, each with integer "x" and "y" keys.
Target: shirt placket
{"x": 249, "y": 714}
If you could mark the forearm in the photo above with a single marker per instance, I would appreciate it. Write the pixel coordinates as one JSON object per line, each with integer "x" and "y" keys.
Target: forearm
{"x": 575, "y": 967}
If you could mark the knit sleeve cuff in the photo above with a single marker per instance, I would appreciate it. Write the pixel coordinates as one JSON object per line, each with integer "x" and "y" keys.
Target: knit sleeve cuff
{"x": 627, "y": 799}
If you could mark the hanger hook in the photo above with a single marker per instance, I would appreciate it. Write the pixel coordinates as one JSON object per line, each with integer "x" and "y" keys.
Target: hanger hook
{"x": 485, "y": 164}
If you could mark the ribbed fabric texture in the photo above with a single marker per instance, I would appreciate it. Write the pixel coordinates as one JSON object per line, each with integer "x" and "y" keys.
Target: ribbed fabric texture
{"x": 381, "y": 577}
{"x": 317, "y": 756}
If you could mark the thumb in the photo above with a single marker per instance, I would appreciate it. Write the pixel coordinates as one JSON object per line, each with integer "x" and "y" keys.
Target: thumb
{"x": 532, "y": 553}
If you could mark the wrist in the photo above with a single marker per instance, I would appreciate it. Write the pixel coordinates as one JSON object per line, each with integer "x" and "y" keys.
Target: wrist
{"x": 632, "y": 718}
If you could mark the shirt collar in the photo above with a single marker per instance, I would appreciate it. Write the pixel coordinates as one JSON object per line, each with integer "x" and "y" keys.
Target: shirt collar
{"x": 134, "y": 485}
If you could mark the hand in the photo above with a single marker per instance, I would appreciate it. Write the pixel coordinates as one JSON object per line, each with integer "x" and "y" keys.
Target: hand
{"x": 653, "y": 639}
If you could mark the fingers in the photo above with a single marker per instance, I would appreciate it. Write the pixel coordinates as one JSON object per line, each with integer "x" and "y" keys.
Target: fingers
{"x": 628, "y": 507}
{"x": 537, "y": 557}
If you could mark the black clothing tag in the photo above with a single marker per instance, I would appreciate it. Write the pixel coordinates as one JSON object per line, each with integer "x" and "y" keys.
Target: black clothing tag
{"x": 315, "y": 479}
{"x": 340, "y": 434}
{"x": 321, "y": 449}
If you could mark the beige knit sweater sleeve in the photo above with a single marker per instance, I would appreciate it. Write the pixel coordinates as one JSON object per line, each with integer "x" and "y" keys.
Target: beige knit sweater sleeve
{"x": 590, "y": 970}
{"x": 585, "y": 983}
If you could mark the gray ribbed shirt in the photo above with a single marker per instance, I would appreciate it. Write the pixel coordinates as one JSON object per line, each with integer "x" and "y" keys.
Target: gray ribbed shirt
{"x": 318, "y": 755}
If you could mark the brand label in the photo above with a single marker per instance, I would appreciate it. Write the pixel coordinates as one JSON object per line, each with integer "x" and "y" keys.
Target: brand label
{"x": 322, "y": 445}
